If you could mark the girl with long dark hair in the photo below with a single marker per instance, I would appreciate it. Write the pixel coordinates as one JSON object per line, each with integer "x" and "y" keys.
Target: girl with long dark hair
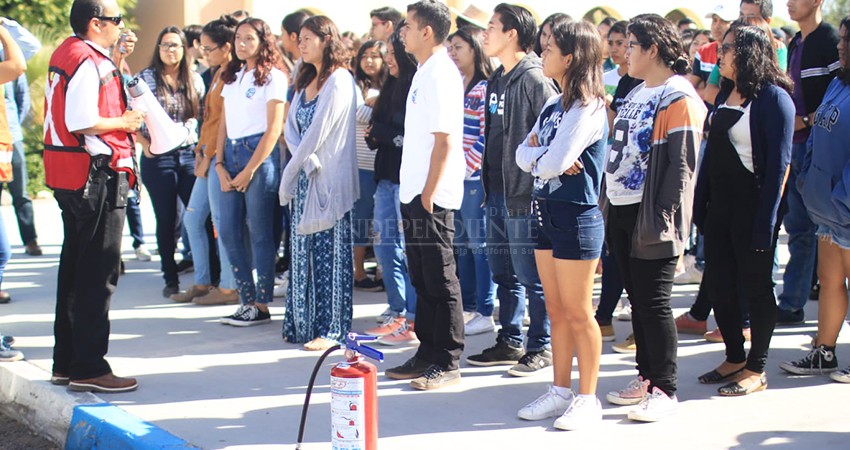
{"x": 647, "y": 199}
{"x": 170, "y": 177}
{"x": 386, "y": 135}
{"x": 565, "y": 151}
{"x": 476, "y": 281}
{"x": 248, "y": 165}
{"x": 321, "y": 183}
{"x": 216, "y": 44}
{"x": 739, "y": 202}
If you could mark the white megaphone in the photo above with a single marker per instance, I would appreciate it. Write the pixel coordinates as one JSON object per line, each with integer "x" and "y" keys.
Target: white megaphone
{"x": 166, "y": 135}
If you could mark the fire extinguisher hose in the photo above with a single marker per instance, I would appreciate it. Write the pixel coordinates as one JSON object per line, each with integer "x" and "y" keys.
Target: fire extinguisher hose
{"x": 310, "y": 392}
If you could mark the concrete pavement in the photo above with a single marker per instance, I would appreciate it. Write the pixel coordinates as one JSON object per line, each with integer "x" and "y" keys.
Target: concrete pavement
{"x": 220, "y": 387}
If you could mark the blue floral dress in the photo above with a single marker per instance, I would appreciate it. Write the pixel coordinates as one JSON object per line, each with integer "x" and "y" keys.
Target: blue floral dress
{"x": 321, "y": 278}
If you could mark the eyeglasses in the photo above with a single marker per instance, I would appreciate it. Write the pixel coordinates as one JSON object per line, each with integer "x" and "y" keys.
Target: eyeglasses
{"x": 633, "y": 44}
{"x": 205, "y": 49}
{"x": 725, "y": 48}
{"x": 170, "y": 47}
{"x": 114, "y": 19}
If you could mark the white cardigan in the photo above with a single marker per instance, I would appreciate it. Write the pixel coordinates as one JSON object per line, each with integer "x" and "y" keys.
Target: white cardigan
{"x": 327, "y": 153}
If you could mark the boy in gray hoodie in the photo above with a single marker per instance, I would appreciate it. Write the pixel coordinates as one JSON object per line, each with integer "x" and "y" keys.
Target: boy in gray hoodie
{"x": 516, "y": 93}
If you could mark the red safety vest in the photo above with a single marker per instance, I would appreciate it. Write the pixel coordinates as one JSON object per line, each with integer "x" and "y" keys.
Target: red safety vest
{"x": 66, "y": 161}
{"x": 6, "y": 148}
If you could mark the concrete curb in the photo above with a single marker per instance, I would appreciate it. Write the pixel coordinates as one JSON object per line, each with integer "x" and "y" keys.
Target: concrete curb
{"x": 75, "y": 420}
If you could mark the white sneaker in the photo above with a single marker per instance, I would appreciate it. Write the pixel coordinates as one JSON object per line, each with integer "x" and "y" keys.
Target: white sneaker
{"x": 625, "y": 314}
{"x": 546, "y": 406}
{"x": 841, "y": 376}
{"x": 655, "y": 407}
{"x": 386, "y": 315}
{"x": 633, "y": 394}
{"x": 691, "y": 275}
{"x": 282, "y": 278}
{"x": 280, "y": 291}
{"x": 581, "y": 414}
{"x": 468, "y": 315}
{"x": 142, "y": 254}
{"x": 479, "y": 325}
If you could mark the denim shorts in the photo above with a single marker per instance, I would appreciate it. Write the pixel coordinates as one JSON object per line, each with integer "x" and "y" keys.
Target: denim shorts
{"x": 571, "y": 231}
{"x": 825, "y": 232}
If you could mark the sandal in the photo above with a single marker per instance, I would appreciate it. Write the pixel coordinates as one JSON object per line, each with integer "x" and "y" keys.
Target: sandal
{"x": 319, "y": 344}
{"x": 715, "y": 377}
{"x": 736, "y": 390}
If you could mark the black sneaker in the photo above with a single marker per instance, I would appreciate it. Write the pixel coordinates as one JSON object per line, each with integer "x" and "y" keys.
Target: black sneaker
{"x": 412, "y": 368}
{"x": 436, "y": 377}
{"x": 500, "y": 354}
{"x": 170, "y": 289}
{"x": 785, "y": 317}
{"x": 239, "y": 311}
{"x": 820, "y": 359}
{"x": 368, "y": 285}
{"x": 814, "y": 294}
{"x": 185, "y": 266}
{"x": 531, "y": 363}
{"x": 251, "y": 315}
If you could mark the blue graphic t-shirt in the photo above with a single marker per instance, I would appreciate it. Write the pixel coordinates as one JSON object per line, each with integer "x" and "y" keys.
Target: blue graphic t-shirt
{"x": 632, "y": 141}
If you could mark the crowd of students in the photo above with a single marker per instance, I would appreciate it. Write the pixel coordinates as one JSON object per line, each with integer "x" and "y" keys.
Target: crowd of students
{"x": 507, "y": 163}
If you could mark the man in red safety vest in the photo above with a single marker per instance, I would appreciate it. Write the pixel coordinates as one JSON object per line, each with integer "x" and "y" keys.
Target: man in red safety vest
{"x": 88, "y": 162}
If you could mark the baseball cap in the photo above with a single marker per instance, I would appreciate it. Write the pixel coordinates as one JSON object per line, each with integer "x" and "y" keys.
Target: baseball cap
{"x": 726, "y": 12}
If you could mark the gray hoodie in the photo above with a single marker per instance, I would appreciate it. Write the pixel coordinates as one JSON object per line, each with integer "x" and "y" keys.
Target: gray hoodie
{"x": 525, "y": 94}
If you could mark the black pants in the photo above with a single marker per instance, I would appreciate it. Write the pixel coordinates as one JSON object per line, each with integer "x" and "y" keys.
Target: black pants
{"x": 612, "y": 288}
{"x": 88, "y": 274}
{"x": 736, "y": 274}
{"x": 649, "y": 284}
{"x": 431, "y": 263}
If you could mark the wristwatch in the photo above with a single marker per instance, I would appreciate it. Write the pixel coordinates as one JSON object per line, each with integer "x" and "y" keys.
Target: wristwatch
{"x": 806, "y": 121}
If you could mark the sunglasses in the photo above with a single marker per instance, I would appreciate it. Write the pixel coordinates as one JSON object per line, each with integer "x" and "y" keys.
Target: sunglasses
{"x": 114, "y": 19}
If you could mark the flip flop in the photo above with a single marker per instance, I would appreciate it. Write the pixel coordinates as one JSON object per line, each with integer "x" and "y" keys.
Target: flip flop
{"x": 715, "y": 377}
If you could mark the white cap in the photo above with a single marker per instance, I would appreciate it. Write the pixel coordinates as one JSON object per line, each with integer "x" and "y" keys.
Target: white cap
{"x": 726, "y": 12}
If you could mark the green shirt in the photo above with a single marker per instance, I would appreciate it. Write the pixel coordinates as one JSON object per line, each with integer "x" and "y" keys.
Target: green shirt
{"x": 781, "y": 55}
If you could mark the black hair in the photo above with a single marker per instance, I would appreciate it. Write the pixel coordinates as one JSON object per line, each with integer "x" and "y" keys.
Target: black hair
{"x": 387, "y": 14}
{"x": 582, "y": 81}
{"x": 620, "y": 27}
{"x": 551, "y": 21}
{"x": 517, "y": 18}
{"x": 221, "y": 30}
{"x": 765, "y": 7}
{"x": 393, "y": 97}
{"x": 844, "y": 71}
{"x": 610, "y": 21}
{"x": 652, "y": 29}
{"x": 292, "y": 22}
{"x": 687, "y": 37}
{"x": 193, "y": 33}
{"x": 241, "y": 14}
{"x": 789, "y": 31}
{"x": 685, "y": 21}
{"x": 473, "y": 36}
{"x": 363, "y": 80}
{"x": 755, "y": 61}
{"x": 82, "y": 12}
{"x": 185, "y": 76}
{"x": 431, "y": 13}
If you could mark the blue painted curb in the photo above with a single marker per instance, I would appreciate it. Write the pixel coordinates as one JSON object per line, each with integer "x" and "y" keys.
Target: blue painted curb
{"x": 105, "y": 426}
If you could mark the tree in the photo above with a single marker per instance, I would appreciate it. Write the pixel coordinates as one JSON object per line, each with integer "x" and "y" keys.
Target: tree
{"x": 52, "y": 13}
{"x": 835, "y": 10}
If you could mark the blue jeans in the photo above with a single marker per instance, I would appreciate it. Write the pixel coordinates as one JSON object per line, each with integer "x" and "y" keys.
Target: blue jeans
{"x": 20, "y": 197}
{"x": 510, "y": 252}
{"x": 476, "y": 281}
{"x": 802, "y": 241}
{"x": 134, "y": 219}
{"x": 389, "y": 250}
{"x": 5, "y": 249}
{"x": 364, "y": 209}
{"x": 205, "y": 200}
{"x": 256, "y": 207}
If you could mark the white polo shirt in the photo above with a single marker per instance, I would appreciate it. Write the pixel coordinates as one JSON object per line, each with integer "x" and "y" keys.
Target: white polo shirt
{"x": 434, "y": 105}
{"x": 245, "y": 103}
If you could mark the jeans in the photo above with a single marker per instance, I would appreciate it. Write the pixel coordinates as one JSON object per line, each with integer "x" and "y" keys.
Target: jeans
{"x": 20, "y": 197}
{"x": 439, "y": 313}
{"x": 88, "y": 274}
{"x": 205, "y": 200}
{"x": 256, "y": 207}
{"x": 168, "y": 178}
{"x": 612, "y": 288}
{"x": 650, "y": 285}
{"x": 5, "y": 249}
{"x": 134, "y": 219}
{"x": 364, "y": 209}
{"x": 802, "y": 241}
{"x": 476, "y": 281}
{"x": 510, "y": 252}
{"x": 389, "y": 250}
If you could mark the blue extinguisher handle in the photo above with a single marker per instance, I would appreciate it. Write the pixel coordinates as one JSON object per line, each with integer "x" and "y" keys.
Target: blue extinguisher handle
{"x": 352, "y": 342}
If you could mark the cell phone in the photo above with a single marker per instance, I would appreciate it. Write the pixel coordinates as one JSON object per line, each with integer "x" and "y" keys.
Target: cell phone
{"x": 122, "y": 190}
{"x": 121, "y": 41}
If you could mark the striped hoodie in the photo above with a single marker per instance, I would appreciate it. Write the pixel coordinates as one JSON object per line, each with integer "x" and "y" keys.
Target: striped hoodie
{"x": 473, "y": 129}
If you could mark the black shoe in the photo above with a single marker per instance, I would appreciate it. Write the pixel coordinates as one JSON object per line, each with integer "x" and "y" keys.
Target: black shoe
{"x": 785, "y": 317}
{"x": 436, "y": 377}
{"x": 531, "y": 363}
{"x": 33, "y": 249}
{"x": 412, "y": 368}
{"x": 498, "y": 355}
{"x": 5, "y": 297}
{"x": 820, "y": 359}
{"x": 369, "y": 285}
{"x": 185, "y": 266}
{"x": 170, "y": 289}
{"x": 814, "y": 294}
{"x": 121, "y": 269}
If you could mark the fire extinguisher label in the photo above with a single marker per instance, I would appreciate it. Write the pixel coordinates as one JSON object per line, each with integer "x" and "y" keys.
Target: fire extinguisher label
{"x": 348, "y": 416}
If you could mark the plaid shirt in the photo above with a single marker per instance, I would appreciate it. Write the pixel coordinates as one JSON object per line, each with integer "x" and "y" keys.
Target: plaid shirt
{"x": 175, "y": 103}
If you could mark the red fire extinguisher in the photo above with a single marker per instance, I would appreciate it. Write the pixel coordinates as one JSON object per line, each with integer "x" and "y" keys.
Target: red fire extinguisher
{"x": 354, "y": 397}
